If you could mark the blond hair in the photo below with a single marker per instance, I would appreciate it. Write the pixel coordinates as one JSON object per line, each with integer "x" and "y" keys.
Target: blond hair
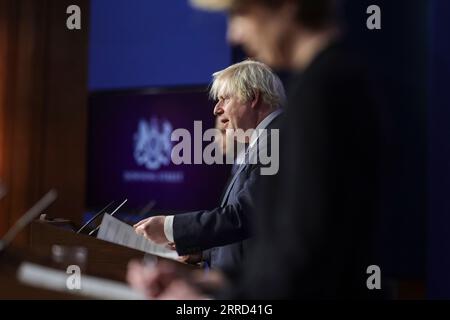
{"x": 245, "y": 79}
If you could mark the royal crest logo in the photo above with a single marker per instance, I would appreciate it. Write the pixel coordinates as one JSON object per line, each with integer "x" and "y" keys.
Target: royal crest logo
{"x": 152, "y": 144}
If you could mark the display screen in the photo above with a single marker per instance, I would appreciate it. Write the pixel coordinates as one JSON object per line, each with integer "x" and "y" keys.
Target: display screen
{"x": 130, "y": 149}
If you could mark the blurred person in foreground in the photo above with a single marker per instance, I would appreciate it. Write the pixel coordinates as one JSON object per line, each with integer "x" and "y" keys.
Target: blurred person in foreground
{"x": 314, "y": 232}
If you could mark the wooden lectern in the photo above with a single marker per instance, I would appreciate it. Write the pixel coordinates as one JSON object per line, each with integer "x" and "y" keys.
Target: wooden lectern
{"x": 105, "y": 259}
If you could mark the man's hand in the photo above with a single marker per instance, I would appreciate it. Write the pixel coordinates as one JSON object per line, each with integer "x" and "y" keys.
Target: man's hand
{"x": 153, "y": 229}
{"x": 191, "y": 259}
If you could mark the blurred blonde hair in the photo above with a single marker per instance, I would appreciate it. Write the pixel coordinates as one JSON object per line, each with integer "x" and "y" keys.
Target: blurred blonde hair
{"x": 212, "y": 5}
{"x": 245, "y": 79}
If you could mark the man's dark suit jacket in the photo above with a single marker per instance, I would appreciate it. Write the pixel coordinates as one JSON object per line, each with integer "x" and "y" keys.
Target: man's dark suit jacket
{"x": 226, "y": 228}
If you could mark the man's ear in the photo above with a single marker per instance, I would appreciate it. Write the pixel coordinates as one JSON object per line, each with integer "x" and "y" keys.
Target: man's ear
{"x": 256, "y": 99}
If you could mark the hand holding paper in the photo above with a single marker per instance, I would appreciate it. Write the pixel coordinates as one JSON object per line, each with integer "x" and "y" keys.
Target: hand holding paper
{"x": 116, "y": 231}
{"x": 153, "y": 229}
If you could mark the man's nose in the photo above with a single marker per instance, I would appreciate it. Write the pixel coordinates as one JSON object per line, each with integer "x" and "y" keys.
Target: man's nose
{"x": 218, "y": 109}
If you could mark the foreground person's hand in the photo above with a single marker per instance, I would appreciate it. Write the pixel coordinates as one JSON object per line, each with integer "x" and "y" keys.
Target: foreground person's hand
{"x": 195, "y": 258}
{"x": 161, "y": 281}
{"x": 151, "y": 280}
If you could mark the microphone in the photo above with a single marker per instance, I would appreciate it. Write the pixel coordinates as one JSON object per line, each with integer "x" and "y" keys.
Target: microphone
{"x": 95, "y": 216}
{"x": 146, "y": 209}
{"x": 141, "y": 213}
{"x": 27, "y": 218}
{"x": 111, "y": 214}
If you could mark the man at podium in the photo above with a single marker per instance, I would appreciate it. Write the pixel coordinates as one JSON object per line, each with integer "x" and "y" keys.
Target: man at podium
{"x": 249, "y": 97}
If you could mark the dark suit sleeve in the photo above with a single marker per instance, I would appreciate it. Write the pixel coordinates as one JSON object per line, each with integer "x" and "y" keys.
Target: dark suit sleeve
{"x": 201, "y": 230}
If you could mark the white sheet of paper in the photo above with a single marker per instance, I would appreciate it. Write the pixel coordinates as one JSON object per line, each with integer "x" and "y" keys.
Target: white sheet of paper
{"x": 47, "y": 278}
{"x": 118, "y": 232}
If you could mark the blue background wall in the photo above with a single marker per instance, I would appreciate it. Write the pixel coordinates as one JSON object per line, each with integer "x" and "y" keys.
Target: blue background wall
{"x": 398, "y": 56}
{"x": 439, "y": 153}
{"x": 141, "y": 43}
